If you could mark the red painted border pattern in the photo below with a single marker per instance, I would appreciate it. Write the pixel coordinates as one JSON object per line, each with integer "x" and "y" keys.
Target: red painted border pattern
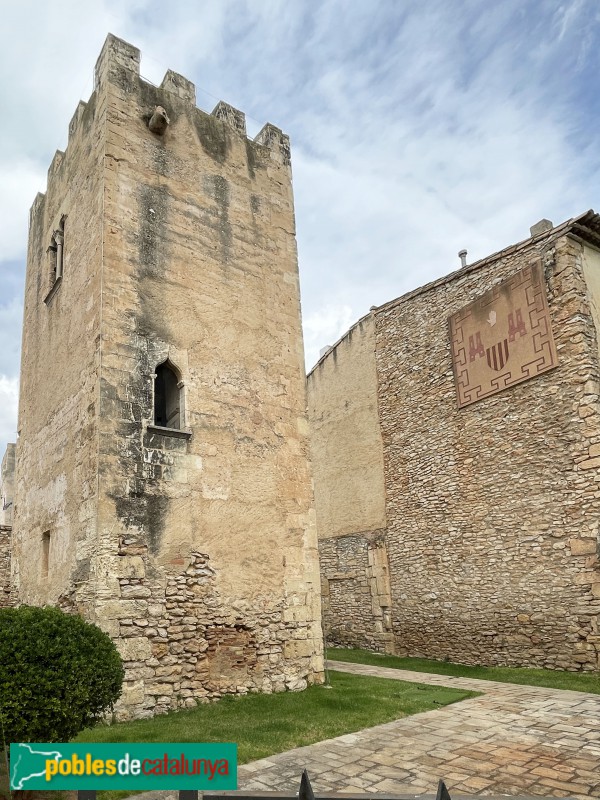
{"x": 527, "y": 286}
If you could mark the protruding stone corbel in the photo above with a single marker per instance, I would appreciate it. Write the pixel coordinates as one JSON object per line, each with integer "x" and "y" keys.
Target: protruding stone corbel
{"x": 158, "y": 121}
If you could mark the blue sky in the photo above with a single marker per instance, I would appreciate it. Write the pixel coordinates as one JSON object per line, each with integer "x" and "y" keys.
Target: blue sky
{"x": 418, "y": 127}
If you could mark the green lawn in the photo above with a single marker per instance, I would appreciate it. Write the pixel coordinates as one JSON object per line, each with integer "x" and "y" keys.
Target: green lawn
{"x": 553, "y": 679}
{"x": 266, "y": 724}
{"x": 262, "y": 725}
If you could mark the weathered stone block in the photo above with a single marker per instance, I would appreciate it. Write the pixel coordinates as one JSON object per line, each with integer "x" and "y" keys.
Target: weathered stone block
{"x": 581, "y": 547}
{"x": 134, "y": 649}
{"x": 133, "y": 694}
{"x": 591, "y": 463}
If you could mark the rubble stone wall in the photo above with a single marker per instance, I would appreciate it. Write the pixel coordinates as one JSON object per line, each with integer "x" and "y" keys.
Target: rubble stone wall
{"x": 6, "y": 594}
{"x": 493, "y": 509}
{"x": 355, "y": 590}
{"x": 7, "y": 485}
{"x": 491, "y": 526}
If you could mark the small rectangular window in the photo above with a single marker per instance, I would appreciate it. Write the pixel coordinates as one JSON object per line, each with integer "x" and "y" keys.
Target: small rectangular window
{"x": 45, "y": 553}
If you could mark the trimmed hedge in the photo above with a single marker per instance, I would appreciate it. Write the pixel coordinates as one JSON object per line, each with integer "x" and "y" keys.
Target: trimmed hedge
{"x": 58, "y": 674}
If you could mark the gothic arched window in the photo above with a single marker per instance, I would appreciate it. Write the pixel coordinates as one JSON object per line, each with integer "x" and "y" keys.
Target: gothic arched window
{"x": 167, "y": 397}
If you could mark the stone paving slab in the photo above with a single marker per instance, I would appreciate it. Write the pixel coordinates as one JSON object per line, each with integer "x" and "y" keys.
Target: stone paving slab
{"x": 512, "y": 740}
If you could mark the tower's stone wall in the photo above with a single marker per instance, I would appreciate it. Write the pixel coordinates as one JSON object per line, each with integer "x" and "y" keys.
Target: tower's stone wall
{"x": 202, "y": 563}
{"x": 56, "y": 487}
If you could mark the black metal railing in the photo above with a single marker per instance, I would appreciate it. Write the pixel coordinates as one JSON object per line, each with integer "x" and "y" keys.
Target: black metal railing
{"x": 306, "y": 792}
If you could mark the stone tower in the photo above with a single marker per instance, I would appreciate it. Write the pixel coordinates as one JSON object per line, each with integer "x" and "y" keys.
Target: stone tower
{"x": 163, "y": 483}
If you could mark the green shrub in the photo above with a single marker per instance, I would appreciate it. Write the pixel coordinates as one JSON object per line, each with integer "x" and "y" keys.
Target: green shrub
{"x": 58, "y": 674}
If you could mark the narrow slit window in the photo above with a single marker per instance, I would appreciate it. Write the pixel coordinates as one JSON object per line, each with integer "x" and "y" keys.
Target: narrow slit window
{"x": 56, "y": 253}
{"x": 45, "y": 553}
{"x": 167, "y": 397}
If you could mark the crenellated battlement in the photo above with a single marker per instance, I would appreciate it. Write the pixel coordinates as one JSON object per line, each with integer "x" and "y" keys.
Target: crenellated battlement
{"x": 276, "y": 140}
{"x": 117, "y": 59}
{"x": 231, "y": 116}
{"x": 176, "y": 84}
{"x": 76, "y": 118}
{"x": 56, "y": 162}
{"x": 119, "y": 64}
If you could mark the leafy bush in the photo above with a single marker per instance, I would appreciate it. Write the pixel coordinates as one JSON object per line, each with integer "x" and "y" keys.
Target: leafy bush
{"x": 58, "y": 674}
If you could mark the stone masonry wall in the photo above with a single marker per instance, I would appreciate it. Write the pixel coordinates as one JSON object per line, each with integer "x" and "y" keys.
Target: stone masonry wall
{"x": 56, "y": 472}
{"x": 493, "y": 510}
{"x": 7, "y": 485}
{"x": 194, "y": 548}
{"x": 355, "y": 589}
{"x": 182, "y": 645}
{"x": 346, "y": 447}
{"x": 200, "y": 267}
{"x": 347, "y": 455}
{"x": 6, "y": 595}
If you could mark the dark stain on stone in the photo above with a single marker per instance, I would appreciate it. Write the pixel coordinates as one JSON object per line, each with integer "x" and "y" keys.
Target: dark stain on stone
{"x": 145, "y": 512}
{"x": 150, "y": 97}
{"x": 136, "y": 504}
{"x": 152, "y": 261}
{"x": 218, "y": 188}
{"x": 212, "y": 134}
{"x": 81, "y": 572}
{"x": 140, "y": 503}
{"x": 87, "y": 118}
{"x": 250, "y": 158}
{"x": 156, "y": 508}
{"x": 152, "y": 205}
{"x": 124, "y": 78}
{"x": 136, "y": 491}
{"x": 108, "y": 392}
{"x": 163, "y": 441}
{"x": 161, "y": 157}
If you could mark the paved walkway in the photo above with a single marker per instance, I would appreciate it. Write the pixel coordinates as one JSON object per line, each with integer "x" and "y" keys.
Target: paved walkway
{"x": 511, "y": 740}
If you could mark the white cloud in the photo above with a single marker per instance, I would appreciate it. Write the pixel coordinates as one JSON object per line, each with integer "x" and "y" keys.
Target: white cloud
{"x": 9, "y": 398}
{"x": 10, "y": 335}
{"x": 10, "y": 342}
{"x": 21, "y": 181}
{"x": 324, "y": 327}
{"x": 417, "y": 129}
